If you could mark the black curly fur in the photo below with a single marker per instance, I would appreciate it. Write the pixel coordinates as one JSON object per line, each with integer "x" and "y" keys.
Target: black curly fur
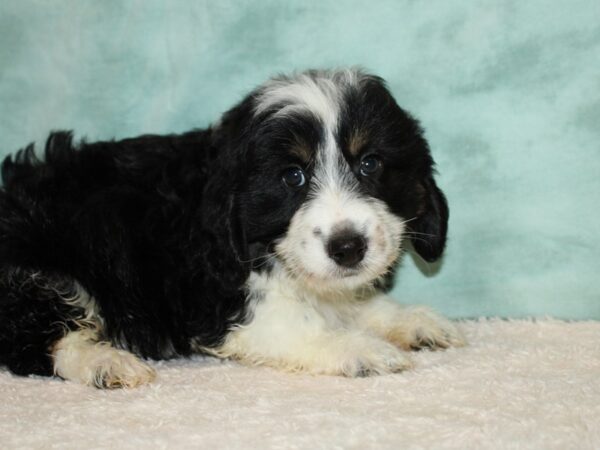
{"x": 34, "y": 317}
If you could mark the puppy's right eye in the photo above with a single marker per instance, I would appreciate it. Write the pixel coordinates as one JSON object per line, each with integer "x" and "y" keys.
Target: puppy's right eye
{"x": 294, "y": 177}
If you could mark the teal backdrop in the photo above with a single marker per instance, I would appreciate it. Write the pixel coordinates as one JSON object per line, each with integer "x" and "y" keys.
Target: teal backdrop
{"x": 507, "y": 91}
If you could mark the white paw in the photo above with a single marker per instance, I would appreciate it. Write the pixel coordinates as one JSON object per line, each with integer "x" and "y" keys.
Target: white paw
{"x": 79, "y": 357}
{"x": 345, "y": 354}
{"x": 362, "y": 356}
{"x": 121, "y": 369}
{"x": 423, "y": 328}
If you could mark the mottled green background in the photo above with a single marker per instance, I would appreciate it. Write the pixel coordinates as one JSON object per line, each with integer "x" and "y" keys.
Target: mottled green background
{"x": 508, "y": 92}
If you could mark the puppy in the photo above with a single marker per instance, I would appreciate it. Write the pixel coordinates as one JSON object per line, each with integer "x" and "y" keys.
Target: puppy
{"x": 267, "y": 238}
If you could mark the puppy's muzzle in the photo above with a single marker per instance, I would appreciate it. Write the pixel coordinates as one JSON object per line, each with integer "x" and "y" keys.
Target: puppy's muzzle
{"x": 347, "y": 248}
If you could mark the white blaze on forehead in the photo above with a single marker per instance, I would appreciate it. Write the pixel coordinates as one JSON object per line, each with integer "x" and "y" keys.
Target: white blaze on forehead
{"x": 332, "y": 172}
{"x": 319, "y": 96}
{"x": 319, "y": 92}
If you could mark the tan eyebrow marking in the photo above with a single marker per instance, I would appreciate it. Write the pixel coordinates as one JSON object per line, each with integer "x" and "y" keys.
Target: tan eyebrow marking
{"x": 302, "y": 150}
{"x": 357, "y": 141}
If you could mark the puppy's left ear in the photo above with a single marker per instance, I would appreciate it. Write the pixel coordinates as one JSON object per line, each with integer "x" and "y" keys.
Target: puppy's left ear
{"x": 431, "y": 225}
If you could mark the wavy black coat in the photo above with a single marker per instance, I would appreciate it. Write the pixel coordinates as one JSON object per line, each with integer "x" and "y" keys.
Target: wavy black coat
{"x": 147, "y": 226}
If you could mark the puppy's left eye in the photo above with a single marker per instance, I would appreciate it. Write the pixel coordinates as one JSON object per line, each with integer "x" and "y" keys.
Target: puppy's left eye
{"x": 370, "y": 165}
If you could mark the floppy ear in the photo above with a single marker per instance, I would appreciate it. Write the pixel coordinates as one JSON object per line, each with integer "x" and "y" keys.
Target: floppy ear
{"x": 224, "y": 234}
{"x": 431, "y": 225}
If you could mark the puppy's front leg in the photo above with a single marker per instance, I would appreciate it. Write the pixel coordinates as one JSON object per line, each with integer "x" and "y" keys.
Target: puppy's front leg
{"x": 410, "y": 327}
{"x": 292, "y": 334}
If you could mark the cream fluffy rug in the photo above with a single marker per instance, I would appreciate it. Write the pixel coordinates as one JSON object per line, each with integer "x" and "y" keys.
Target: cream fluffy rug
{"x": 519, "y": 384}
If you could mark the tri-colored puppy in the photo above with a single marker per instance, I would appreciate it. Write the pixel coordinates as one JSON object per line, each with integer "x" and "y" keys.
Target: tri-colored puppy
{"x": 266, "y": 238}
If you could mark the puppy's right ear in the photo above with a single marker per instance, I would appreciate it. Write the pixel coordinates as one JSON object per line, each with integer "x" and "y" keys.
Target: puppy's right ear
{"x": 221, "y": 231}
{"x": 229, "y": 134}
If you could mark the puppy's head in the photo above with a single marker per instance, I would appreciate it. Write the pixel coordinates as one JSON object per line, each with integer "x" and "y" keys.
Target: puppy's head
{"x": 336, "y": 174}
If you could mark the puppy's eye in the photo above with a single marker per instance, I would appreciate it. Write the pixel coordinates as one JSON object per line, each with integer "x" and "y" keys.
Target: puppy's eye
{"x": 370, "y": 165}
{"x": 294, "y": 177}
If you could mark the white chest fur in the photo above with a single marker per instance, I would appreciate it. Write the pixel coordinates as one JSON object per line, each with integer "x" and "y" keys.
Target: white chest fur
{"x": 293, "y": 326}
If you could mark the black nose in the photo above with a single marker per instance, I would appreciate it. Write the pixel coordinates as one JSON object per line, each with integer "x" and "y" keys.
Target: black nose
{"x": 347, "y": 249}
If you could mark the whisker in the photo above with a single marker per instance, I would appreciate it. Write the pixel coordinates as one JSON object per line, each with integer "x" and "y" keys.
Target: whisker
{"x": 420, "y": 240}
{"x": 265, "y": 261}
{"x": 408, "y": 220}
{"x": 258, "y": 258}
{"x": 414, "y": 233}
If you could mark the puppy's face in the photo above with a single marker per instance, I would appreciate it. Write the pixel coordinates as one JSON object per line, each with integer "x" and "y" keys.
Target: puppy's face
{"x": 337, "y": 175}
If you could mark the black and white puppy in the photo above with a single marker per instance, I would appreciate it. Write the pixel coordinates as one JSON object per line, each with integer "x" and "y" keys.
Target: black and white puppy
{"x": 266, "y": 238}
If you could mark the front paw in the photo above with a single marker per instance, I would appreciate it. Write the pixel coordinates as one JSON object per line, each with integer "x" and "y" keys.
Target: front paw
{"x": 367, "y": 356}
{"x": 340, "y": 352}
{"x": 423, "y": 328}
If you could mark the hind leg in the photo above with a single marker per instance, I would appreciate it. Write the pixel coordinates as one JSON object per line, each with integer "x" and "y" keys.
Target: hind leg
{"x": 81, "y": 356}
{"x": 50, "y": 326}
{"x": 32, "y": 318}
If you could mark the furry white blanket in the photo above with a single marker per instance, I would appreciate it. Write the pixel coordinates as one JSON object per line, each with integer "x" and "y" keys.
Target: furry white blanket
{"x": 519, "y": 384}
